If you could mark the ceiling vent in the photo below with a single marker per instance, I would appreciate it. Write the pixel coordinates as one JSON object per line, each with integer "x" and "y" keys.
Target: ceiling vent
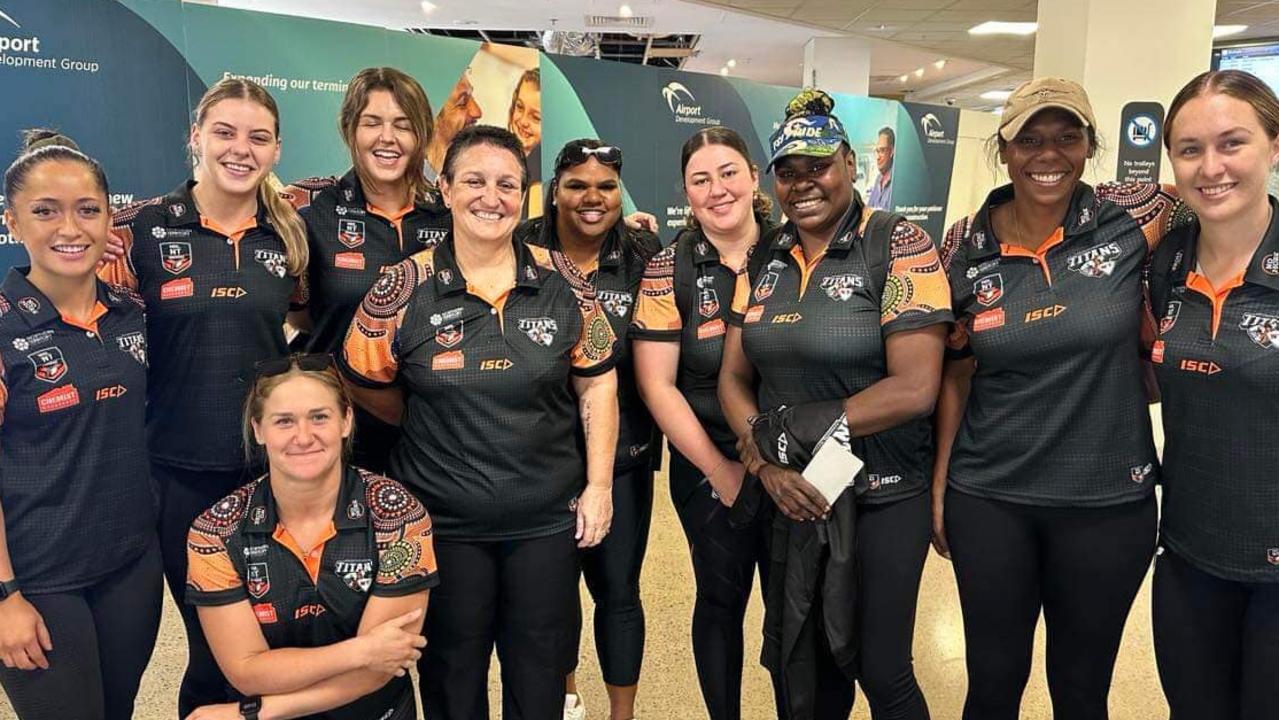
{"x": 617, "y": 21}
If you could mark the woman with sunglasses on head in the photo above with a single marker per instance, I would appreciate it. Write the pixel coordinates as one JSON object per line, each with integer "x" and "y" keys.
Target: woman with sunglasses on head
{"x": 218, "y": 262}
{"x": 581, "y": 229}
{"x": 1045, "y": 468}
{"x": 311, "y": 582}
{"x": 494, "y": 364}
{"x": 1214, "y": 284}
{"x": 380, "y": 212}
{"x": 838, "y": 324}
{"x": 80, "y": 571}
{"x": 678, "y": 337}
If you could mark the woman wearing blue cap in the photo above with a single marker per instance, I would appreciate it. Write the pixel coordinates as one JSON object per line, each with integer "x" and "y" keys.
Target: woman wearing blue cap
{"x": 837, "y": 329}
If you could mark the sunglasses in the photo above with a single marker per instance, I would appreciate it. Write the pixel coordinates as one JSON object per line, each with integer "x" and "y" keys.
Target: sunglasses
{"x": 312, "y": 362}
{"x": 578, "y": 154}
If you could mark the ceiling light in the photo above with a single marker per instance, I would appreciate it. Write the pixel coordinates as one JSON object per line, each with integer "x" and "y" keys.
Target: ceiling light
{"x": 731, "y": 63}
{"x": 940, "y": 64}
{"x": 919, "y": 72}
{"x": 1000, "y": 95}
{"x": 428, "y": 7}
{"x": 904, "y": 78}
{"x": 994, "y": 27}
{"x": 625, "y": 11}
{"x": 723, "y": 71}
{"x": 1220, "y": 31}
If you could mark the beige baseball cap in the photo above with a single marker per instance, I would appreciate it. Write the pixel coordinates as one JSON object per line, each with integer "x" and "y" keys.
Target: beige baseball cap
{"x": 1041, "y": 94}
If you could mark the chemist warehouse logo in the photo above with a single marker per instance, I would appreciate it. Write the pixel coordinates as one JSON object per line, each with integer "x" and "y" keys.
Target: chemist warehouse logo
{"x": 24, "y": 51}
{"x": 684, "y": 106}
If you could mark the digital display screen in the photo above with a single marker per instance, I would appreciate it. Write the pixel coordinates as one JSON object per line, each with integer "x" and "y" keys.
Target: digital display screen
{"x": 1260, "y": 60}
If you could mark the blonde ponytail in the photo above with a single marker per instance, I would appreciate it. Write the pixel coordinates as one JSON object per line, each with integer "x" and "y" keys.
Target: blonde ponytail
{"x": 288, "y": 224}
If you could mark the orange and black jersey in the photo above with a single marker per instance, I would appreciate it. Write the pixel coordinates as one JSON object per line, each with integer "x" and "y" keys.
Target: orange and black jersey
{"x": 379, "y": 544}
{"x": 216, "y": 301}
{"x": 815, "y": 328}
{"x": 78, "y": 501}
{"x": 685, "y": 298}
{"x": 352, "y": 243}
{"x": 1057, "y": 411}
{"x": 1216, "y": 358}
{"x": 615, "y": 283}
{"x": 490, "y": 419}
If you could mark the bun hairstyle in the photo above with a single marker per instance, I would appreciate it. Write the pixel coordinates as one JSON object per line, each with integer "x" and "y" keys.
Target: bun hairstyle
{"x": 41, "y": 145}
{"x": 810, "y": 101}
{"x": 720, "y": 135}
{"x": 283, "y": 216}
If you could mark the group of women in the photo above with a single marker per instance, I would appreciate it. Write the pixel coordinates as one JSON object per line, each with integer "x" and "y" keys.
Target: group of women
{"x": 993, "y": 385}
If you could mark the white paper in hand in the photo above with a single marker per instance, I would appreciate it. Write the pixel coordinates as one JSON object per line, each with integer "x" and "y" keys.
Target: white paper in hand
{"x": 834, "y": 466}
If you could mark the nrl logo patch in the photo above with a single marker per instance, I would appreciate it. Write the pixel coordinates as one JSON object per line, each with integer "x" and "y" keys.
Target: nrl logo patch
{"x": 1262, "y": 329}
{"x": 708, "y": 302}
{"x": 257, "y": 579}
{"x": 841, "y": 288}
{"x": 764, "y": 289}
{"x": 450, "y": 335}
{"x": 273, "y": 260}
{"x": 175, "y": 257}
{"x": 50, "y": 366}
{"x": 1170, "y": 316}
{"x": 540, "y": 330}
{"x": 1095, "y": 262}
{"x": 989, "y": 289}
{"x": 351, "y": 233}
{"x": 615, "y": 302}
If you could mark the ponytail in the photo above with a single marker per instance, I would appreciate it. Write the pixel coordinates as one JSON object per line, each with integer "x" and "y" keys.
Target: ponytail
{"x": 288, "y": 224}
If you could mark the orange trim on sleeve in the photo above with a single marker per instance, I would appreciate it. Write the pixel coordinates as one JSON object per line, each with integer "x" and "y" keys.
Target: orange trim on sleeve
{"x": 917, "y": 267}
{"x": 1040, "y": 254}
{"x": 396, "y": 219}
{"x": 311, "y": 560}
{"x": 1202, "y": 285}
{"x": 209, "y": 567}
{"x": 656, "y": 308}
{"x": 119, "y": 271}
{"x": 595, "y": 345}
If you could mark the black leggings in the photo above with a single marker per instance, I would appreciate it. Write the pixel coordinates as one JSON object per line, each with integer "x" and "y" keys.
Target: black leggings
{"x": 724, "y": 562}
{"x": 1216, "y": 642}
{"x": 892, "y": 545}
{"x": 1081, "y": 566}
{"x": 102, "y": 640}
{"x": 184, "y": 494}
{"x": 520, "y": 595}
{"x": 612, "y": 571}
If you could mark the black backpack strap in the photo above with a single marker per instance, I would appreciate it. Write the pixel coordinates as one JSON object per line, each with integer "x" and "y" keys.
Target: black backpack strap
{"x": 877, "y": 244}
{"x": 685, "y": 272}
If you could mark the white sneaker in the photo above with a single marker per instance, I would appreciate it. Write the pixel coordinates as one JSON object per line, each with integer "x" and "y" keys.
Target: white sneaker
{"x": 574, "y": 709}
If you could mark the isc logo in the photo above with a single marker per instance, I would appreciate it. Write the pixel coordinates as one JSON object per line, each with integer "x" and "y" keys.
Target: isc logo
{"x": 501, "y": 364}
{"x": 229, "y": 292}
{"x": 107, "y": 393}
{"x": 1207, "y": 367}
{"x": 787, "y": 318}
{"x": 1044, "y": 312}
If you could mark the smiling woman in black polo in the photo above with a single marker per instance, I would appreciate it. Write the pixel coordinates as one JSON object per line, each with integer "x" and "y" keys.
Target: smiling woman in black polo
{"x": 311, "y": 581}
{"x": 502, "y": 368}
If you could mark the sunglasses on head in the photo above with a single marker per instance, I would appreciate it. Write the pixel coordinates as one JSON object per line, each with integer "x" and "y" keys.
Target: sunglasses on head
{"x": 313, "y": 362}
{"x": 578, "y": 154}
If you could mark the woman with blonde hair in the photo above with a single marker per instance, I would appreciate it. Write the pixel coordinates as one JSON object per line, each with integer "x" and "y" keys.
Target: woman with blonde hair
{"x": 217, "y": 262}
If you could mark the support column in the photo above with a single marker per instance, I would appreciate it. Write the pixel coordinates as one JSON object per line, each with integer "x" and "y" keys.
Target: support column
{"x": 1122, "y": 52}
{"x": 837, "y": 64}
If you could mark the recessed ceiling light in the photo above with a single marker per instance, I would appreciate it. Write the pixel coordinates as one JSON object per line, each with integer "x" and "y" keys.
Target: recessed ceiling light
{"x": 1220, "y": 31}
{"x": 625, "y": 11}
{"x": 999, "y": 95}
{"x": 995, "y": 27}
{"x": 940, "y": 64}
{"x": 904, "y": 78}
{"x": 919, "y": 72}
{"x": 428, "y": 7}
{"x": 723, "y": 71}
{"x": 731, "y": 63}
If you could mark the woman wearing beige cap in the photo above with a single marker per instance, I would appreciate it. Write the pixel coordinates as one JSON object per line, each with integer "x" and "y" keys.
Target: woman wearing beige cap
{"x": 1043, "y": 486}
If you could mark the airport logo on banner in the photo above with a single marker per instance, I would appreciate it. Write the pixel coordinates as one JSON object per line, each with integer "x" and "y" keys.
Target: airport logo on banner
{"x": 934, "y": 132}
{"x": 681, "y": 102}
{"x": 24, "y": 51}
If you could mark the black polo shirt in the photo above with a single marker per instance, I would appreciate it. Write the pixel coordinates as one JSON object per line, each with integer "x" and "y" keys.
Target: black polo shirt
{"x": 815, "y": 329}
{"x": 685, "y": 297}
{"x": 1217, "y": 362}
{"x": 1057, "y": 413}
{"x": 615, "y": 283}
{"x": 380, "y": 544}
{"x": 216, "y": 301}
{"x": 78, "y": 501}
{"x": 490, "y": 421}
{"x": 352, "y": 243}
